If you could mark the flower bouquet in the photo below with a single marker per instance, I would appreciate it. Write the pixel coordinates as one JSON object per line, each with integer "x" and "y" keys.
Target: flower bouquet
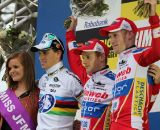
{"x": 86, "y": 8}
{"x": 142, "y": 9}
{"x": 13, "y": 39}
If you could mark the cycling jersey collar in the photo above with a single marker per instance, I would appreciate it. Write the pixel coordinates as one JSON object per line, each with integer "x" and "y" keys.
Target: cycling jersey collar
{"x": 102, "y": 71}
{"x": 128, "y": 50}
{"x": 54, "y": 68}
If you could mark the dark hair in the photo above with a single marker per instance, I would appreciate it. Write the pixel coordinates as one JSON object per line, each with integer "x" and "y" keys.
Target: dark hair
{"x": 58, "y": 45}
{"x": 29, "y": 71}
{"x": 99, "y": 54}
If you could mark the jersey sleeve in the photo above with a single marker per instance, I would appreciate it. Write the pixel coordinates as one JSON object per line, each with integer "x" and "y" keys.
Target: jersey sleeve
{"x": 41, "y": 80}
{"x": 77, "y": 90}
{"x": 154, "y": 91}
{"x": 73, "y": 59}
{"x": 151, "y": 54}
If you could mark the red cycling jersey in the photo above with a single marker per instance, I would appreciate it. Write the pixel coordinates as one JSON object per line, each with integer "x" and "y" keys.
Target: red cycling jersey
{"x": 97, "y": 90}
{"x": 133, "y": 92}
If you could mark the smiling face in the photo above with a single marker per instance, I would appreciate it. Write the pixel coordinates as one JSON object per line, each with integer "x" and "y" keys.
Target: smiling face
{"x": 20, "y": 70}
{"x": 16, "y": 70}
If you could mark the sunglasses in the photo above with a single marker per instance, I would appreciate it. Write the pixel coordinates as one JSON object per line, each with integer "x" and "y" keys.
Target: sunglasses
{"x": 55, "y": 40}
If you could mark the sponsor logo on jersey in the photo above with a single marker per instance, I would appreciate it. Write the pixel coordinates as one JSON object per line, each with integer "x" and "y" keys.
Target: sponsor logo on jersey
{"x": 122, "y": 88}
{"x": 99, "y": 84}
{"x": 93, "y": 23}
{"x": 110, "y": 75}
{"x": 95, "y": 94}
{"x": 56, "y": 79}
{"x": 122, "y": 63}
{"x": 54, "y": 85}
{"x": 122, "y": 75}
{"x": 91, "y": 109}
{"x": 85, "y": 123}
{"x": 139, "y": 96}
{"x": 115, "y": 104}
{"x": 46, "y": 103}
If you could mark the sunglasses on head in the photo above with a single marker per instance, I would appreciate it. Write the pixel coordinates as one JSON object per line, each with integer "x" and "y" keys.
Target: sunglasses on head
{"x": 55, "y": 40}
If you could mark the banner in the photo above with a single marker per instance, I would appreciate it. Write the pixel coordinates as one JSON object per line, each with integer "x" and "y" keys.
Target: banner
{"x": 99, "y": 17}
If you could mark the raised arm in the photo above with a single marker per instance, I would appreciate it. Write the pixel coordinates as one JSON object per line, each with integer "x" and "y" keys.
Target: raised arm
{"x": 153, "y": 6}
{"x": 152, "y": 54}
{"x": 73, "y": 59}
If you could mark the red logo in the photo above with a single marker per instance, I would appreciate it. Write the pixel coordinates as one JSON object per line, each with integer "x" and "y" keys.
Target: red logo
{"x": 124, "y": 72}
{"x": 95, "y": 94}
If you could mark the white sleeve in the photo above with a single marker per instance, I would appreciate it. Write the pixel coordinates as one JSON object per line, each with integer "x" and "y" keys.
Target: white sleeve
{"x": 77, "y": 89}
{"x": 41, "y": 81}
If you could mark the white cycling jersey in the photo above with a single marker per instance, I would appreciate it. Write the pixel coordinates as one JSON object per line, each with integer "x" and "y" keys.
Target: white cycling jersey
{"x": 59, "y": 91}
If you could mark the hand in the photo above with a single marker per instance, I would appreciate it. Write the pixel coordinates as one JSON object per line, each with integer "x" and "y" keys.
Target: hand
{"x": 73, "y": 23}
{"x": 153, "y": 6}
{"x": 152, "y": 2}
{"x": 1, "y": 120}
{"x": 76, "y": 125}
{"x": 154, "y": 71}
